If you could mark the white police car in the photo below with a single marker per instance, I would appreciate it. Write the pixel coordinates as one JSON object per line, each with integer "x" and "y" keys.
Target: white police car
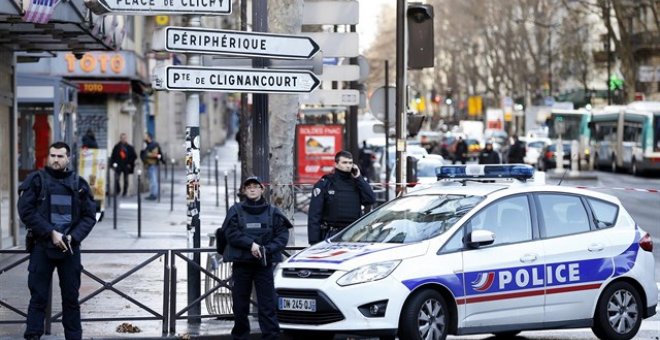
{"x": 468, "y": 257}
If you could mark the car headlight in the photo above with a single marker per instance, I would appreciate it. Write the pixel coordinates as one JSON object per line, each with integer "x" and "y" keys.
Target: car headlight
{"x": 368, "y": 273}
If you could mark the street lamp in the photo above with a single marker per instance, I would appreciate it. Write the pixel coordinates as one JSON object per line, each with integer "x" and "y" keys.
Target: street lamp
{"x": 549, "y": 27}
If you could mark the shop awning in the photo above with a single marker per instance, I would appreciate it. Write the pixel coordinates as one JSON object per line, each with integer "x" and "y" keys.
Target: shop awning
{"x": 70, "y": 28}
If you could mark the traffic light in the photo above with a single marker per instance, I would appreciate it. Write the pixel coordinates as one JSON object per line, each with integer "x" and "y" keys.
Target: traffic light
{"x": 448, "y": 96}
{"x": 519, "y": 103}
{"x": 420, "y": 35}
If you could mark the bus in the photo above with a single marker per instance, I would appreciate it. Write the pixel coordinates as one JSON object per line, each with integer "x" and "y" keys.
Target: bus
{"x": 571, "y": 125}
{"x": 627, "y": 138}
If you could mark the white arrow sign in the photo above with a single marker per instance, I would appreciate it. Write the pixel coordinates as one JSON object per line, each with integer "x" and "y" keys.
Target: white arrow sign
{"x": 201, "y": 40}
{"x": 156, "y": 7}
{"x": 189, "y": 78}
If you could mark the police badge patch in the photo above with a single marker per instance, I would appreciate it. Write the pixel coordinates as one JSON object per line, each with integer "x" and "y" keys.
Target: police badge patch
{"x": 316, "y": 192}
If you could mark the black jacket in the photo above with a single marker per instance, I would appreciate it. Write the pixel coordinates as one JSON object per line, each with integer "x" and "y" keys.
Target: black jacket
{"x": 322, "y": 197}
{"x": 123, "y": 164}
{"x": 489, "y": 157}
{"x": 240, "y": 238}
{"x": 35, "y": 212}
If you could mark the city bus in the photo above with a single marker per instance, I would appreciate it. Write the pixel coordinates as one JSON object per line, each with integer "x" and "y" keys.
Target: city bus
{"x": 627, "y": 137}
{"x": 571, "y": 125}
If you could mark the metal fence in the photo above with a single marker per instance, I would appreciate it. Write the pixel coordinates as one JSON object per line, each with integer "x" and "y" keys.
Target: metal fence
{"x": 138, "y": 287}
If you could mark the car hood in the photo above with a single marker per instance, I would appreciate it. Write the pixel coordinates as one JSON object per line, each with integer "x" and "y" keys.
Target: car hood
{"x": 348, "y": 255}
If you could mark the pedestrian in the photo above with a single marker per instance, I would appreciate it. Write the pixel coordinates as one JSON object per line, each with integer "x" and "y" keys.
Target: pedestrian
{"x": 256, "y": 232}
{"x": 57, "y": 207}
{"x": 123, "y": 154}
{"x": 488, "y": 155}
{"x": 366, "y": 160}
{"x": 516, "y": 151}
{"x": 89, "y": 140}
{"x": 460, "y": 153}
{"x": 151, "y": 156}
{"x": 337, "y": 199}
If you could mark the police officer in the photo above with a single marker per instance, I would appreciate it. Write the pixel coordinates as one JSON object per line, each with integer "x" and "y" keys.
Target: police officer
{"x": 57, "y": 207}
{"x": 488, "y": 155}
{"x": 256, "y": 232}
{"x": 336, "y": 199}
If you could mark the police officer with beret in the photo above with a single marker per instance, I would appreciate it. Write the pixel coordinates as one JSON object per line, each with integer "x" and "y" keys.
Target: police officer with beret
{"x": 256, "y": 232}
{"x": 337, "y": 199}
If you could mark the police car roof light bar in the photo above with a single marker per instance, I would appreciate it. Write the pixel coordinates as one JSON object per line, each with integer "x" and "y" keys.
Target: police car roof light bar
{"x": 521, "y": 172}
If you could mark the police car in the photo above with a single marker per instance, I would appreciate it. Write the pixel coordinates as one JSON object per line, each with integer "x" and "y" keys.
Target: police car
{"x": 488, "y": 249}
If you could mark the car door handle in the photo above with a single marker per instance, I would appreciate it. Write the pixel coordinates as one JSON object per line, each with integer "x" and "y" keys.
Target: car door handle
{"x": 596, "y": 247}
{"x": 528, "y": 258}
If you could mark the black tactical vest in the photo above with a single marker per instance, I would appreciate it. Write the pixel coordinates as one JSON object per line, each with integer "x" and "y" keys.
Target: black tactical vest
{"x": 342, "y": 201}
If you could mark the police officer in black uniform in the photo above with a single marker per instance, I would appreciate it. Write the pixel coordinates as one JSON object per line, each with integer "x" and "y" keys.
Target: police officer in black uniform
{"x": 57, "y": 207}
{"x": 256, "y": 232}
{"x": 337, "y": 199}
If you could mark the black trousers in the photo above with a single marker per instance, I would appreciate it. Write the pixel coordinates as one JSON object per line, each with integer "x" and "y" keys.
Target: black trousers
{"x": 43, "y": 262}
{"x": 244, "y": 274}
{"x": 118, "y": 173}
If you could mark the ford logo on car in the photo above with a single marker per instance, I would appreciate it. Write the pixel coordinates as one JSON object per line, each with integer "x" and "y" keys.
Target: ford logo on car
{"x": 304, "y": 274}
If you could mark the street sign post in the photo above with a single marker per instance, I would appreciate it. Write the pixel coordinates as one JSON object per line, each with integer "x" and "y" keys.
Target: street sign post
{"x": 186, "y": 78}
{"x": 158, "y": 7}
{"x": 214, "y": 41}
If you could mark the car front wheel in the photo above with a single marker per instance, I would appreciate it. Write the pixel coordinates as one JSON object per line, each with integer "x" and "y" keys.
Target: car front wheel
{"x": 618, "y": 313}
{"x": 424, "y": 316}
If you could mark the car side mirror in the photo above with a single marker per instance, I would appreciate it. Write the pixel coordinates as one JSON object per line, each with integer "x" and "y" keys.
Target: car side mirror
{"x": 481, "y": 237}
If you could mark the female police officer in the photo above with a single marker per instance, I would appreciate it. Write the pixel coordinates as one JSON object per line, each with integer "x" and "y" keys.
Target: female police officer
{"x": 256, "y": 233}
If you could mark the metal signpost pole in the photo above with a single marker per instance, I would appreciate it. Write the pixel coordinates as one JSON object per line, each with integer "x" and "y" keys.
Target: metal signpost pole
{"x": 387, "y": 130}
{"x": 260, "y": 137}
{"x": 193, "y": 183}
{"x": 401, "y": 47}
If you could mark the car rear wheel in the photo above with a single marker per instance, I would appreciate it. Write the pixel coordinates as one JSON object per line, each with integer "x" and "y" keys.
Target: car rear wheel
{"x": 424, "y": 316}
{"x": 633, "y": 168}
{"x": 618, "y": 313}
{"x": 613, "y": 165}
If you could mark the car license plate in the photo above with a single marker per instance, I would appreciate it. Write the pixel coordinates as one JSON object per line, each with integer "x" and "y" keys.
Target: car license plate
{"x": 297, "y": 304}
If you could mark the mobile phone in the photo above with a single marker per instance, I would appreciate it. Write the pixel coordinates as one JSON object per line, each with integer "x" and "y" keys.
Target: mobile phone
{"x": 354, "y": 170}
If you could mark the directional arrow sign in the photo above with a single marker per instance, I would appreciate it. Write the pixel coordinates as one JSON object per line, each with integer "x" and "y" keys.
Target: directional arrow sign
{"x": 189, "y": 78}
{"x": 157, "y": 7}
{"x": 201, "y": 40}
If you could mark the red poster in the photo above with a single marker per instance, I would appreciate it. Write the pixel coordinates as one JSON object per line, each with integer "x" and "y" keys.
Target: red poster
{"x": 317, "y": 146}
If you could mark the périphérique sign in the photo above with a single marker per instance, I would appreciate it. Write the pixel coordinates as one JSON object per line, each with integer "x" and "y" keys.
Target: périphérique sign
{"x": 191, "y": 78}
{"x": 239, "y": 43}
{"x": 157, "y": 7}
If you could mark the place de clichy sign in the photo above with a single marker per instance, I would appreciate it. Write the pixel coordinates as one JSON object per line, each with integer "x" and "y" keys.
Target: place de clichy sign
{"x": 190, "y": 78}
{"x": 154, "y": 7}
{"x": 239, "y": 43}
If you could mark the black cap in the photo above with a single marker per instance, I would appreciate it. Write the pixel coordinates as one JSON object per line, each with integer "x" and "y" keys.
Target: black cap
{"x": 252, "y": 179}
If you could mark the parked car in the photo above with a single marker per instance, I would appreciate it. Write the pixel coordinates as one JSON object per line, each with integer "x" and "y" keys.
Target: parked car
{"x": 504, "y": 256}
{"x": 548, "y": 157}
{"x": 534, "y": 147}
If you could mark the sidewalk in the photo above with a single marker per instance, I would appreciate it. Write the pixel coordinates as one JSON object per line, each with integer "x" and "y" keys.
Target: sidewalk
{"x": 160, "y": 229}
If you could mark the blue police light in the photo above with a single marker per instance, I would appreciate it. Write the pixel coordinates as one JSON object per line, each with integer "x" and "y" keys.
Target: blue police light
{"x": 518, "y": 171}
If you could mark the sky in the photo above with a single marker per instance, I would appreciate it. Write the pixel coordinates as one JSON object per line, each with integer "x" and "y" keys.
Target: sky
{"x": 369, "y": 19}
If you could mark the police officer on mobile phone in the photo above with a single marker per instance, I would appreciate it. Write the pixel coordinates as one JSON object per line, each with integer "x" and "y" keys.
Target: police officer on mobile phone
{"x": 337, "y": 199}
{"x": 255, "y": 233}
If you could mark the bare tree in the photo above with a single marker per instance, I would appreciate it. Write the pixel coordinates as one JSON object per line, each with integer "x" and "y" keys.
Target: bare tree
{"x": 286, "y": 18}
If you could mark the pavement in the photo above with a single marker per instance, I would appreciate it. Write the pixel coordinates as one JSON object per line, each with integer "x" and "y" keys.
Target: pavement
{"x": 127, "y": 272}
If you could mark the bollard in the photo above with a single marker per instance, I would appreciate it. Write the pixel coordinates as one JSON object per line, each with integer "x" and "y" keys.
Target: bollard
{"x": 114, "y": 197}
{"x": 235, "y": 196}
{"x": 139, "y": 202}
{"x": 158, "y": 172}
{"x": 226, "y": 195}
{"x": 217, "y": 189}
{"x": 209, "y": 165}
{"x": 165, "y": 170}
{"x": 172, "y": 186}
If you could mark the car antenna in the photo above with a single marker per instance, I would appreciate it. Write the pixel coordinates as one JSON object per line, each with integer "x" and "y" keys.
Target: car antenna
{"x": 562, "y": 177}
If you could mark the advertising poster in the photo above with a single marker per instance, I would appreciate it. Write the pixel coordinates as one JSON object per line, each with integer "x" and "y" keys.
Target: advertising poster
{"x": 317, "y": 146}
{"x": 93, "y": 167}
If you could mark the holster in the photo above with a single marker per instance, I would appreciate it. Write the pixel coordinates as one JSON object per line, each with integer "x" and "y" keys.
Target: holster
{"x": 30, "y": 241}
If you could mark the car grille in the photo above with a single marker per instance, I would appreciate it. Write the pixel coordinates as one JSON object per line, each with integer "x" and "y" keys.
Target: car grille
{"x": 304, "y": 273}
{"x": 326, "y": 311}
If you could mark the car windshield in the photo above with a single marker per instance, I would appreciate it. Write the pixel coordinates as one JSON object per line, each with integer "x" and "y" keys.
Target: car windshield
{"x": 410, "y": 219}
